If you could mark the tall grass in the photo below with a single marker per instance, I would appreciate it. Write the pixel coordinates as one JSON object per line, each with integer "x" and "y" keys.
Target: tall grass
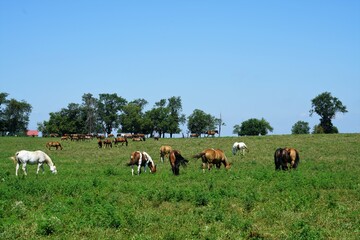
{"x": 94, "y": 196}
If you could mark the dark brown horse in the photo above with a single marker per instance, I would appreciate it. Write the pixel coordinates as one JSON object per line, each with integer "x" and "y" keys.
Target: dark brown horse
{"x": 141, "y": 159}
{"x": 212, "y": 156}
{"x": 164, "y": 152}
{"x": 286, "y": 156}
{"x": 176, "y": 160}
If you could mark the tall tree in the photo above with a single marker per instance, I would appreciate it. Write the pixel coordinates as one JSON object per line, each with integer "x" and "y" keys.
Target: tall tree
{"x": 326, "y": 106}
{"x": 109, "y": 109}
{"x": 131, "y": 119}
{"x": 3, "y": 102}
{"x": 175, "y": 117}
{"x": 16, "y": 116}
{"x": 90, "y": 109}
{"x": 199, "y": 122}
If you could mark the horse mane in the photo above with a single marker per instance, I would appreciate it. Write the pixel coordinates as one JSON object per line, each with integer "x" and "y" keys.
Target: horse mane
{"x": 181, "y": 159}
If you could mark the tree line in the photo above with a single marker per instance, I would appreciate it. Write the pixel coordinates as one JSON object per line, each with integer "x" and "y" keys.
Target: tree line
{"x": 111, "y": 112}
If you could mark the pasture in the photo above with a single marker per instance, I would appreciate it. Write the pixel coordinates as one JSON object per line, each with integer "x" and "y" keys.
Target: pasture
{"x": 94, "y": 195}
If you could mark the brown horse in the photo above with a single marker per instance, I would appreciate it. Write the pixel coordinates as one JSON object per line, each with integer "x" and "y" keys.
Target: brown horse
{"x": 141, "y": 159}
{"x": 107, "y": 143}
{"x": 175, "y": 160}
{"x": 121, "y": 140}
{"x": 285, "y": 156}
{"x": 213, "y": 156}
{"x": 56, "y": 145}
{"x": 164, "y": 152}
{"x": 211, "y": 132}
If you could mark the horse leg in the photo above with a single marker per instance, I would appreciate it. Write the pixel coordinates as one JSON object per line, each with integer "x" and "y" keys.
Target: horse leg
{"x": 132, "y": 170}
{"x": 17, "y": 169}
{"x": 24, "y": 168}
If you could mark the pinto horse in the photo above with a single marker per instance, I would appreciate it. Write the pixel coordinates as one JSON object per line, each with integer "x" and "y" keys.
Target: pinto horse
{"x": 213, "y": 156}
{"x": 164, "y": 152}
{"x": 175, "y": 160}
{"x": 56, "y": 145}
{"x": 285, "y": 156}
{"x": 141, "y": 159}
{"x": 239, "y": 146}
{"x": 25, "y": 157}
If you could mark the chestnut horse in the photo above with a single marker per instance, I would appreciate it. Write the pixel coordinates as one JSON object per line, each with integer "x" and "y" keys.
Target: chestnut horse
{"x": 285, "y": 156}
{"x": 141, "y": 159}
{"x": 175, "y": 160}
{"x": 213, "y": 156}
{"x": 121, "y": 140}
{"x": 164, "y": 152}
{"x": 56, "y": 145}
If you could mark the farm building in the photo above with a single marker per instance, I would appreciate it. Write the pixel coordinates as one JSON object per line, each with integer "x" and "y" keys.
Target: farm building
{"x": 32, "y": 133}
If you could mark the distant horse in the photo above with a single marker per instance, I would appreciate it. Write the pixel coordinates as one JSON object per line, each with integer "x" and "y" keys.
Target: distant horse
{"x": 213, "y": 156}
{"x": 285, "y": 156}
{"x": 121, "y": 140}
{"x": 25, "y": 157}
{"x": 194, "y": 135}
{"x": 211, "y": 132}
{"x": 164, "y": 152}
{"x": 56, "y": 145}
{"x": 176, "y": 160}
{"x": 100, "y": 143}
{"x": 107, "y": 143}
{"x": 141, "y": 159}
{"x": 239, "y": 146}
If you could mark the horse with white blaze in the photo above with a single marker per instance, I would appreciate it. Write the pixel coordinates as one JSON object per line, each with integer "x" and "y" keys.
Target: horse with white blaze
{"x": 38, "y": 157}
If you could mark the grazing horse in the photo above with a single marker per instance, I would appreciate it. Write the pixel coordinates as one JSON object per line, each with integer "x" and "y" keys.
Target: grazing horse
{"x": 239, "y": 146}
{"x": 121, "y": 140}
{"x": 25, "y": 157}
{"x": 141, "y": 159}
{"x": 164, "y": 152}
{"x": 213, "y": 156}
{"x": 100, "y": 143}
{"x": 107, "y": 143}
{"x": 175, "y": 160}
{"x": 285, "y": 156}
{"x": 56, "y": 145}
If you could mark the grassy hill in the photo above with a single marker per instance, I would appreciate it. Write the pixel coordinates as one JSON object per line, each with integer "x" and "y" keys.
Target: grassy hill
{"x": 94, "y": 196}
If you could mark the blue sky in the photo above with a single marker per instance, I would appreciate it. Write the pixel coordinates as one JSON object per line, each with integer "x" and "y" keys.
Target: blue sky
{"x": 240, "y": 59}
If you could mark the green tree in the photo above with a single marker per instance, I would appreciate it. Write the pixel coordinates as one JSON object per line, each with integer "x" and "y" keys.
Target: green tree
{"x": 110, "y": 107}
{"x": 90, "y": 110}
{"x": 253, "y": 127}
{"x": 3, "y": 102}
{"x": 175, "y": 117}
{"x": 326, "y": 106}
{"x": 300, "y": 127}
{"x": 132, "y": 116}
{"x": 16, "y": 116}
{"x": 158, "y": 116}
{"x": 199, "y": 122}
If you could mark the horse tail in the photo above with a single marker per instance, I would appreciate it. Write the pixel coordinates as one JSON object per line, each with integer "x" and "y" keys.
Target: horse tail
{"x": 181, "y": 159}
{"x": 297, "y": 159}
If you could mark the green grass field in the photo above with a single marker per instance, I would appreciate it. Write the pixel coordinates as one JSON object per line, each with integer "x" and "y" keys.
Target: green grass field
{"x": 94, "y": 196}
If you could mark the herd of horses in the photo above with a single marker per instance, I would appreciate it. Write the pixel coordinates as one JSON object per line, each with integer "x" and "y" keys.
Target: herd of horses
{"x": 284, "y": 158}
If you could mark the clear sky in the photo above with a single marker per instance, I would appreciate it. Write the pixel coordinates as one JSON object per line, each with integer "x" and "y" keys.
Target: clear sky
{"x": 241, "y": 59}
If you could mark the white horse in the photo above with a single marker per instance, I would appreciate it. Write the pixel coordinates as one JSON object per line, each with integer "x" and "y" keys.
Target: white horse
{"x": 239, "y": 146}
{"x": 25, "y": 157}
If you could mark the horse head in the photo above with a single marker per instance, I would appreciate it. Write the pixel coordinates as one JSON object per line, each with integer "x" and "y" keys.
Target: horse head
{"x": 152, "y": 167}
{"x": 53, "y": 169}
